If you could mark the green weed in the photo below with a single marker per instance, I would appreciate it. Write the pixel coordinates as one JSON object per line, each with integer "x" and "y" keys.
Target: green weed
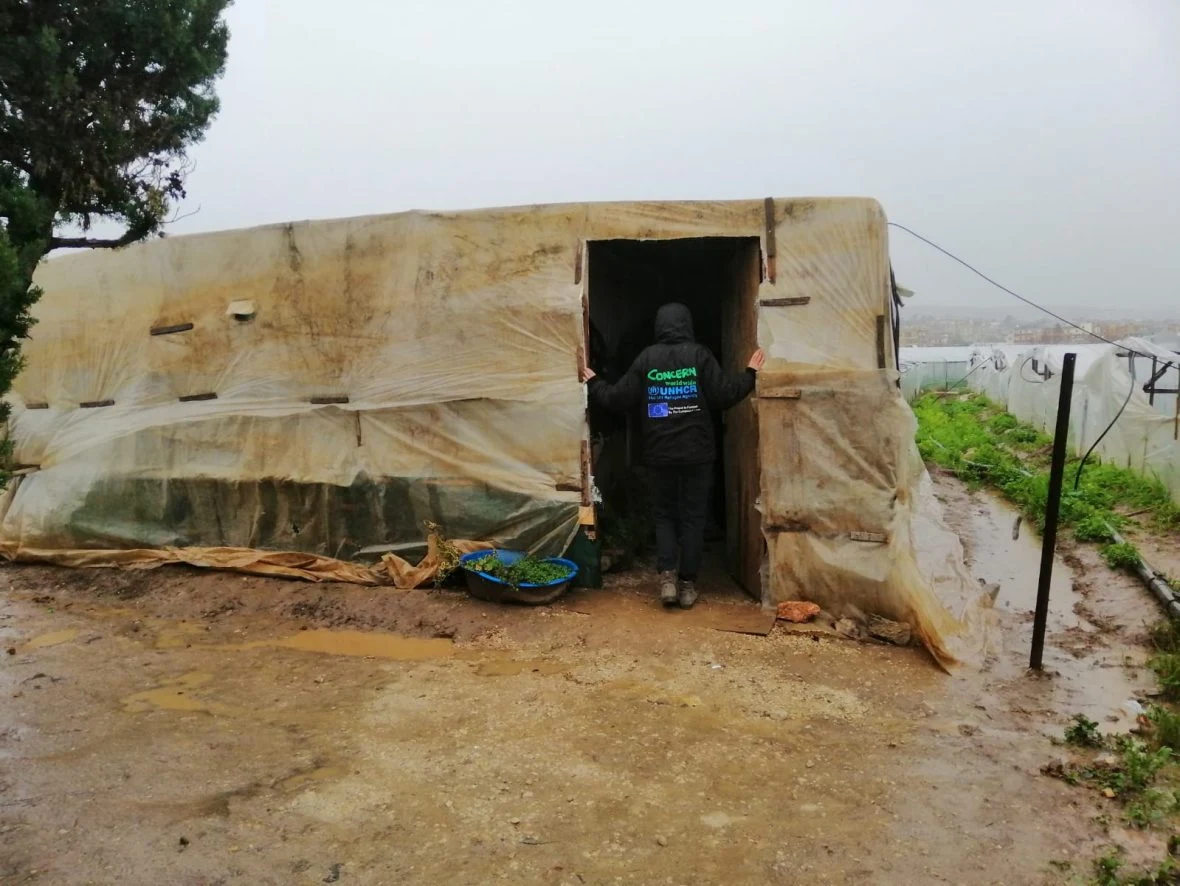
{"x": 1026, "y": 434}
{"x": 1107, "y": 870}
{"x": 1152, "y": 807}
{"x": 1005, "y": 421}
{"x": 1165, "y": 726}
{"x": 1093, "y": 528}
{"x": 1138, "y": 766}
{"x": 1167, "y": 672}
{"x": 1165, "y": 636}
{"x": 1084, "y": 733}
{"x": 1121, "y": 555}
{"x": 975, "y": 439}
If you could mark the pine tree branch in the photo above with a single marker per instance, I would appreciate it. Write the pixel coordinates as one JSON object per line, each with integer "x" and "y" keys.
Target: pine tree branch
{"x": 128, "y": 237}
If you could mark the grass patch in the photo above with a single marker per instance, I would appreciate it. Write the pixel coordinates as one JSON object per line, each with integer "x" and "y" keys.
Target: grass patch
{"x": 1121, "y": 555}
{"x": 1094, "y": 528}
{"x": 1141, "y": 775}
{"x": 977, "y": 440}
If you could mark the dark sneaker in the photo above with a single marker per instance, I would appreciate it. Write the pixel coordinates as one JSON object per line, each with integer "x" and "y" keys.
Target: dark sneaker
{"x": 668, "y": 588}
{"x": 688, "y": 594}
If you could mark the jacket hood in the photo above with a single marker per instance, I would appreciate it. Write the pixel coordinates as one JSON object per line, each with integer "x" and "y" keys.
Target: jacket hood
{"x": 673, "y": 324}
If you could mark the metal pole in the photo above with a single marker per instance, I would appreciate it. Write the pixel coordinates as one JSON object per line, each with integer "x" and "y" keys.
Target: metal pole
{"x": 1052, "y": 507}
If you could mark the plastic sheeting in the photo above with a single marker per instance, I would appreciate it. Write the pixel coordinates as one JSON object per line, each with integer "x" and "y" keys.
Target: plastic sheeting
{"x": 850, "y": 515}
{"x": 327, "y": 387}
{"x": 1144, "y": 438}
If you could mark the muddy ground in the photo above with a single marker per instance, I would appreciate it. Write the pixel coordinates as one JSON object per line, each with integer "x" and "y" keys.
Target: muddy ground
{"x": 189, "y": 727}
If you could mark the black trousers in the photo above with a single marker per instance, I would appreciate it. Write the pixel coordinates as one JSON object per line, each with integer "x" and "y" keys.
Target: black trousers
{"x": 681, "y": 510}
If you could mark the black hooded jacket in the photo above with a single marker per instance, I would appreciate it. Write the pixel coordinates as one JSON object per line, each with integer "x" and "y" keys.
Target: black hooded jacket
{"x": 675, "y": 383}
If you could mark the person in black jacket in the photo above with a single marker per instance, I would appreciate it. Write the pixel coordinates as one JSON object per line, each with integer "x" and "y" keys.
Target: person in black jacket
{"x": 677, "y": 382}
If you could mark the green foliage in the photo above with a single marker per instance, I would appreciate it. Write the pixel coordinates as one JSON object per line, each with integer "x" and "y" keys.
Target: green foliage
{"x": 1153, "y": 806}
{"x": 1106, "y": 869}
{"x": 1165, "y": 636}
{"x": 1139, "y": 765}
{"x": 1165, "y": 726}
{"x": 1026, "y": 434}
{"x": 1094, "y": 528}
{"x": 1132, "y": 774}
{"x": 99, "y": 102}
{"x": 1083, "y": 733}
{"x": 1005, "y": 421}
{"x": 1121, "y": 555}
{"x": 1107, "y": 872}
{"x": 525, "y": 571}
{"x": 972, "y": 437}
{"x": 1167, "y": 672}
{"x": 976, "y": 440}
{"x": 1133, "y": 771}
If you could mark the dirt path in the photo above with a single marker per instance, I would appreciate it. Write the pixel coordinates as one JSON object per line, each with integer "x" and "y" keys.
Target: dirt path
{"x": 196, "y": 728}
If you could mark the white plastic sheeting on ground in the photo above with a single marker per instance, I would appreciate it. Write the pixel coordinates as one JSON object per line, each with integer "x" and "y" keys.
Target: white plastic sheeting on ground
{"x": 1144, "y": 439}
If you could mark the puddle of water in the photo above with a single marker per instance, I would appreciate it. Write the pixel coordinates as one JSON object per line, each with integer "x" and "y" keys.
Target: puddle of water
{"x": 1015, "y": 565}
{"x": 177, "y": 694}
{"x": 504, "y": 667}
{"x": 362, "y": 643}
{"x": 304, "y": 779}
{"x": 1093, "y": 681}
{"x": 178, "y": 636}
{"x": 46, "y": 640}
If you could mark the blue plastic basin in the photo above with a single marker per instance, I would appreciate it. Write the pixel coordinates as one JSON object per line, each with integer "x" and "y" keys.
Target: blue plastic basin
{"x": 488, "y": 587}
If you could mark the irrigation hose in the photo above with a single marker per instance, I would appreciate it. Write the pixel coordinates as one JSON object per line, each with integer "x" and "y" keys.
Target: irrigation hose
{"x": 1154, "y": 581}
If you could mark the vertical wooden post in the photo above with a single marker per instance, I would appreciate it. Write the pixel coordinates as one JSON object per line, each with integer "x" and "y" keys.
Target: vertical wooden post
{"x": 1052, "y": 509}
{"x": 771, "y": 244}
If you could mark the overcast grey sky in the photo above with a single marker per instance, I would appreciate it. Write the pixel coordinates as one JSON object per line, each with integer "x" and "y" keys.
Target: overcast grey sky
{"x": 1039, "y": 139}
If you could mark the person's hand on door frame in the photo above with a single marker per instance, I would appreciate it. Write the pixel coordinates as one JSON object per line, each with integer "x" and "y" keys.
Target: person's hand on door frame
{"x": 757, "y": 360}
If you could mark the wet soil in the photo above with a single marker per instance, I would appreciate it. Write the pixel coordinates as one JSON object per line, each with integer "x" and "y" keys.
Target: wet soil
{"x": 198, "y": 728}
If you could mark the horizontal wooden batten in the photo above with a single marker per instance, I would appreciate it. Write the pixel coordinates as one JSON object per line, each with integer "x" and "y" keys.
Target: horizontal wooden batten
{"x": 791, "y": 302}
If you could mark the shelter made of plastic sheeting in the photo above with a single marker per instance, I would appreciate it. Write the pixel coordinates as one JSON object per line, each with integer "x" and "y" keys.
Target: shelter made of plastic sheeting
{"x": 937, "y": 367}
{"x": 1144, "y": 438}
{"x": 326, "y": 387}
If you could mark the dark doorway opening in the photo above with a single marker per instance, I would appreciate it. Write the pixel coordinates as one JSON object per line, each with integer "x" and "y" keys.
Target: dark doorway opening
{"x": 717, "y": 278}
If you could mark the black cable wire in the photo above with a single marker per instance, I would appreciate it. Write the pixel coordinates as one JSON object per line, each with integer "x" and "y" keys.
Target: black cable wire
{"x": 1130, "y": 391}
{"x": 1001, "y": 286}
{"x": 1131, "y": 353}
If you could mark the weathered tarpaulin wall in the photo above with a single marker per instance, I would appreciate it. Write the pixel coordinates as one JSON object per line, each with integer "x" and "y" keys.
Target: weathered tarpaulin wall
{"x": 325, "y": 387}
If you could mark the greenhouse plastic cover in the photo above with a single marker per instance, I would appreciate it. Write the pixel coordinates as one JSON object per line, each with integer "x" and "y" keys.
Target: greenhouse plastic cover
{"x": 344, "y": 381}
{"x": 1145, "y": 437}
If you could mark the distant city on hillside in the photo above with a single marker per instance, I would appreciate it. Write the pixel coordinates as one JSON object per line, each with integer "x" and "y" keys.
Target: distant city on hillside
{"x": 935, "y": 326}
